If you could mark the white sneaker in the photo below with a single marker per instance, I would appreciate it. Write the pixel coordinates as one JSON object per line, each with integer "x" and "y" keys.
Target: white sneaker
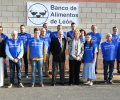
{"x": 26, "y": 77}
{"x": 87, "y": 83}
{"x": 91, "y": 83}
{"x": 33, "y": 85}
{"x": 21, "y": 85}
{"x": 10, "y": 86}
{"x": 41, "y": 85}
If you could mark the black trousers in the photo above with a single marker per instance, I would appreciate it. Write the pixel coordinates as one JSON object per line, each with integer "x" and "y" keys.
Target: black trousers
{"x": 96, "y": 63}
{"x": 118, "y": 66}
{"x": 25, "y": 63}
{"x": 74, "y": 70}
{"x": 61, "y": 71}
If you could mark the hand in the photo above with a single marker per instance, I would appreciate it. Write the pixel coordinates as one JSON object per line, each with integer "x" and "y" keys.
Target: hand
{"x": 0, "y": 40}
{"x": 28, "y": 61}
{"x": 77, "y": 58}
{"x": 15, "y": 60}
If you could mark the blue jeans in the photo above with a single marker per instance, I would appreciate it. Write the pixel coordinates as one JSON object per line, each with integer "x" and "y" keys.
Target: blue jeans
{"x": 18, "y": 66}
{"x": 108, "y": 65}
{"x": 37, "y": 64}
{"x": 61, "y": 70}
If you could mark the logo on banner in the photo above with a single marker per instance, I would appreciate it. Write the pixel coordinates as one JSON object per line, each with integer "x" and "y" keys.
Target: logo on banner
{"x": 38, "y": 14}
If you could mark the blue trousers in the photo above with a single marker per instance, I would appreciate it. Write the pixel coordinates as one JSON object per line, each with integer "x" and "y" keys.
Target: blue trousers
{"x": 108, "y": 65}
{"x": 18, "y": 66}
{"x": 37, "y": 64}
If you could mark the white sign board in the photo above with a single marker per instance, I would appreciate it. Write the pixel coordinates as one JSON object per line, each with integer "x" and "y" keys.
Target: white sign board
{"x": 52, "y": 13}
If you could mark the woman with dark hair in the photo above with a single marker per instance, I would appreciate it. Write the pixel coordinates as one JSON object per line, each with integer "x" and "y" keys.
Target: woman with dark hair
{"x": 89, "y": 60}
{"x": 82, "y": 36}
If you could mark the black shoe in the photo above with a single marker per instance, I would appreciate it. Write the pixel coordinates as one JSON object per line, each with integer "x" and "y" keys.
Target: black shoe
{"x": 96, "y": 72}
{"x": 53, "y": 84}
{"x": 106, "y": 82}
{"x": 62, "y": 83}
{"x": 70, "y": 84}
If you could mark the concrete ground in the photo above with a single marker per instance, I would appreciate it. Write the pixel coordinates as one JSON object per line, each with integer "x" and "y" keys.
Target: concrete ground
{"x": 99, "y": 91}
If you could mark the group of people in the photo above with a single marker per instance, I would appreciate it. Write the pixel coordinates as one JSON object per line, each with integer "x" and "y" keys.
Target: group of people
{"x": 82, "y": 47}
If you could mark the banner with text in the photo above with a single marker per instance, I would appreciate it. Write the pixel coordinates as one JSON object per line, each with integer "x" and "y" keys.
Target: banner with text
{"x": 52, "y": 13}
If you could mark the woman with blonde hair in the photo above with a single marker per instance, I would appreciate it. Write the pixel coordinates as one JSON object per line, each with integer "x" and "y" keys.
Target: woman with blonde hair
{"x": 76, "y": 50}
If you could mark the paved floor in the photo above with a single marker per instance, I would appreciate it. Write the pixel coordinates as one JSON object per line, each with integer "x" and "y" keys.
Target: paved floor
{"x": 99, "y": 91}
{"x": 96, "y": 92}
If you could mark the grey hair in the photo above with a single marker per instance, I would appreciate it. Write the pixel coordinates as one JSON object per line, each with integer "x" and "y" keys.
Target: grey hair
{"x": 14, "y": 32}
{"x": 108, "y": 35}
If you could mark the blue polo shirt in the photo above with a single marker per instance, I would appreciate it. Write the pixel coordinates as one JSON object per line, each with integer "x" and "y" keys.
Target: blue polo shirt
{"x": 116, "y": 38}
{"x": 83, "y": 39}
{"x": 70, "y": 34}
{"x": 47, "y": 41}
{"x": 55, "y": 35}
{"x": 48, "y": 33}
{"x": 36, "y": 47}
{"x": 109, "y": 50}
{"x": 96, "y": 38}
{"x": 24, "y": 37}
{"x": 89, "y": 52}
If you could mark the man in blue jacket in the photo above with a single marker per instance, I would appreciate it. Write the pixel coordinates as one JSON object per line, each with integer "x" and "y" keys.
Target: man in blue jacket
{"x": 14, "y": 51}
{"x": 109, "y": 51}
{"x": 24, "y": 37}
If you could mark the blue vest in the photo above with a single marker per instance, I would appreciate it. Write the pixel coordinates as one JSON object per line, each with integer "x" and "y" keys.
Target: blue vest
{"x": 36, "y": 48}
{"x": 24, "y": 38}
{"x": 96, "y": 38}
{"x": 55, "y": 35}
{"x": 109, "y": 51}
{"x": 116, "y": 38}
{"x": 14, "y": 47}
{"x": 70, "y": 34}
{"x": 89, "y": 52}
{"x": 47, "y": 42}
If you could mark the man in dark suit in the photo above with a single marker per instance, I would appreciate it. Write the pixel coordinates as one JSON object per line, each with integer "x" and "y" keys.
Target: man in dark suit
{"x": 57, "y": 47}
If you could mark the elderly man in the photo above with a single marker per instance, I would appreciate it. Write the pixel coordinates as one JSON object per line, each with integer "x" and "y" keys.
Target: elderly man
{"x": 14, "y": 51}
{"x": 109, "y": 49}
{"x": 58, "y": 46}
